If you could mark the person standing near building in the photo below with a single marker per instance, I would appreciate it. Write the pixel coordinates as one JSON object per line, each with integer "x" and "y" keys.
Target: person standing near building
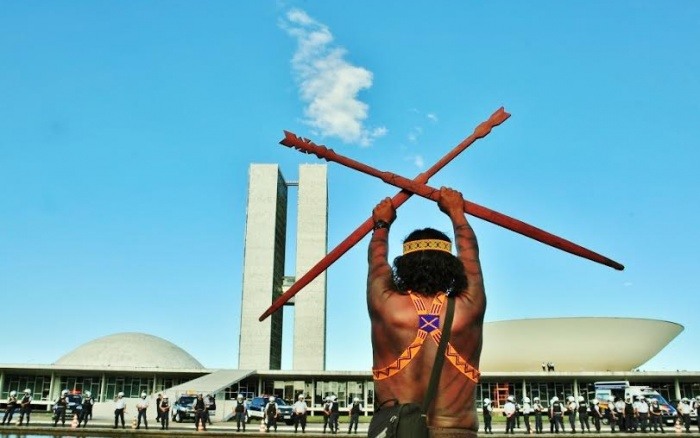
{"x": 200, "y": 414}
{"x": 299, "y": 413}
{"x": 355, "y": 411}
{"x": 25, "y": 406}
{"x": 620, "y": 411}
{"x": 119, "y": 409}
{"x": 571, "y": 412}
{"x": 240, "y": 411}
{"x": 583, "y": 414}
{"x": 10, "y": 407}
{"x": 537, "y": 408}
{"x": 164, "y": 412}
{"x": 86, "y": 410}
{"x": 527, "y": 410}
{"x": 158, "y": 400}
{"x": 684, "y": 410}
{"x": 142, "y": 408}
{"x": 556, "y": 413}
{"x": 630, "y": 414}
{"x": 335, "y": 413}
{"x": 595, "y": 414}
{"x": 405, "y": 305}
{"x": 327, "y": 413}
{"x": 510, "y": 413}
{"x": 271, "y": 414}
{"x": 487, "y": 413}
{"x": 655, "y": 413}
{"x": 60, "y": 408}
{"x": 643, "y": 413}
{"x": 210, "y": 407}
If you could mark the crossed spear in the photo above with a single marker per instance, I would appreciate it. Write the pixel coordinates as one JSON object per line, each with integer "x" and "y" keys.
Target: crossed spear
{"x": 419, "y": 187}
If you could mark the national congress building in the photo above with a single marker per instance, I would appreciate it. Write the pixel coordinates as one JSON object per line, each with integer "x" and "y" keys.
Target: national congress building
{"x": 510, "y": 361}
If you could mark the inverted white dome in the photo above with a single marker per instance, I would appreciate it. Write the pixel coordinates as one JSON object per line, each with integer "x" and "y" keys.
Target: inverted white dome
{"x": 130, "y": 350}
{"x": 574, "y": 344}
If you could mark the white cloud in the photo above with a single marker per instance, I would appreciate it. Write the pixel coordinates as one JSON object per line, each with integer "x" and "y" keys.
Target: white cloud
{"x": 328, "y": 83}
{"x": 432, "y": 117}
{"x": 417, "y": 160}
{"x": 414, "y": 133}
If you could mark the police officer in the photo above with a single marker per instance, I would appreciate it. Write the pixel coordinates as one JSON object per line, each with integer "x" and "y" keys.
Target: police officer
{"x": 200, "y": 415}
{"x": 164, "y": 412}
{"x": 327, "y": 413}
{"x": 299, "y": 411}
{"x": 527, "y": 410}
{"x": 240, "y": 410}
{"x": 620, "y": 411}
{"x": 355, "y": 410}
{"x": 119, "y": 408}
{"x": 684, "y": 412}
{"x": 643, "y": 413}
{"x": 271, "y": 414}
{"x": 612, "y": 414}
{"x": 488, "y": 413}
{"x": 210, "y": 404}
{"x": 537, "y": 408}
{"x": 630, "y": 414}
{"x": 86, "y": 410}
{"x": 595, "y": 414}
{"x": 510, "y": 413}
{"x": 158, "y": 400}
{"x": 571, "y": 412}
{"x": 583, "y": 414}
{"x": 697, "y": 410}
{"x": 142, "y": 407}
{"x": 655, "y": 414}
{"x": 335, "y": 413}
{"x": 10, "y": 408}
{"x": 60, "y": 408}
{"x": 25, "y": 406}
{"x": 556, "y": 412}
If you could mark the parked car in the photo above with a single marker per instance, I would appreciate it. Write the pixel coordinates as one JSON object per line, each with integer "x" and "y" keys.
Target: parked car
{"x": 183, "y": 408}
{"x": 257, "y": 406}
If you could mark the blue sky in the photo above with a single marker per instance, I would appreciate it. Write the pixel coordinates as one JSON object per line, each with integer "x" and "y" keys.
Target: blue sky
{"x": 127, "y": 128}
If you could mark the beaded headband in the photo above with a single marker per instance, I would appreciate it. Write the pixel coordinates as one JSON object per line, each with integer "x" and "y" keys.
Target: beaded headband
{"x": 427, "y": 245}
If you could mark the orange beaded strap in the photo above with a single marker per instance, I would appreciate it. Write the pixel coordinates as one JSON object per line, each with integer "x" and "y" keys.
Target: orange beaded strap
{"x": 428, "y": 324}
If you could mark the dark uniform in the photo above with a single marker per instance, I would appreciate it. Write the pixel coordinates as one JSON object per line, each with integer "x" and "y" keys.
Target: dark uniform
{"x": 239, "y": 411}
{"x": 271, "y": 415}
{"x": 86, "y": 411}
{"x": 655, "y": 415}
{"x": 164, "y": 413}
{"x": 583, "y": 416}
{"x": 487, "y": 416}
{"x": 596, "y": 415}
{"x": 10, "y": 409}
{"x": 630, "y": 425}
{"x": 335, "y": 413}
{"x": 326, "y": 414}
{"x": 556, "y": 413}
{"x": 200, "y": 414}
{"x": 537, "y": 409}
{"x": 60, "y": 411}
{"x": 25, "y": 408}
{"x": 355, "y": 410}
{"x": 158, "y": 400}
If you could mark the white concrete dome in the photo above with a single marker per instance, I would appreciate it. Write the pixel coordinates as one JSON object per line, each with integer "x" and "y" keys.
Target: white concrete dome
{"x": 574, "y": 344}
{"x": 130, "y": 350}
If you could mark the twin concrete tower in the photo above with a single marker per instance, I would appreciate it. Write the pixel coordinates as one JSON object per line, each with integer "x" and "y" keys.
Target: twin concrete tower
{"x": 264, "y": 279}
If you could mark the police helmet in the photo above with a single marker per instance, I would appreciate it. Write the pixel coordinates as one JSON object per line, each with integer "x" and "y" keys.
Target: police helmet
{"x": 355, "y": 400}
{"x": 654, "y": 401}
{"x": 301, "y": 397}
{"x": 121, "y": 394}
{"x": 697, "y": 397}
{"x": 536, "y": 399}
{"x": 143, "y": 394}
{"x": 487, "y": 401}
{"x": 13, "y": 393}
{"x": 239, "y": 396}
{"x": 165, "y": 397}
{"x": 580, "y": 398}
{"x": 685, "y": 400}
{"x": 526, "y": 399}
{"x": 595, "y": 401}
{"x": 272, "y": 398}
{"x": 511, "y": 398}
{"x": 88, "y": 393}
{"x": 334, "y": 398}
{"x": 641, "y": 398}
{"x": 27, "y": 391}
{"x": 64, "y": 392}
{"x": 555, "y": 399}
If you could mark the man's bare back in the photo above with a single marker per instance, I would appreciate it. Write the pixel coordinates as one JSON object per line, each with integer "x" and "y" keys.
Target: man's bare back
{"x": 402, "y": 368}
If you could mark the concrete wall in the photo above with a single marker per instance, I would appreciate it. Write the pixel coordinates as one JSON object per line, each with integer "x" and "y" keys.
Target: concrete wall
{"x": 311, "y": 246}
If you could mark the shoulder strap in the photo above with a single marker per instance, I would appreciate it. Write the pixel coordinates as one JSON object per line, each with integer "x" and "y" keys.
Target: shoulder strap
{"x": 440, "y": 355}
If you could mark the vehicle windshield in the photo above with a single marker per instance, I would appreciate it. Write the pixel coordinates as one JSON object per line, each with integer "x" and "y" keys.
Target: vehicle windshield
{"x": 279, "y": 401}
{"x": 186, "y": 400}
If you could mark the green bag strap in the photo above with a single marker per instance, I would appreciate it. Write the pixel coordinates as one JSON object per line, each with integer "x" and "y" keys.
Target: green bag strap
{"x": 440, "y": 355}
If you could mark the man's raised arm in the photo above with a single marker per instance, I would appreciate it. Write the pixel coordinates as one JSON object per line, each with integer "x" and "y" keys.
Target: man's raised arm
{"x": 452, "y": 204}
{"x": 379, "y": 278}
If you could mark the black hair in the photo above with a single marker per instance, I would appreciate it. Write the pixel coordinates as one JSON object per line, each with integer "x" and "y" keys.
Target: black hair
{"x": 428, "y": 272}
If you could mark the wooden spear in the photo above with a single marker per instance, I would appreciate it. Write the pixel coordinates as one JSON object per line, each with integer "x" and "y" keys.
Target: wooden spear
{"x": 498, "y": 117}
{"x": 425, "y": 191}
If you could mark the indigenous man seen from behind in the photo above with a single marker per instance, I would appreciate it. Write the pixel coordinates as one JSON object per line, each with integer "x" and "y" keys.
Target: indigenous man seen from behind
{"x": 407, "y": 313}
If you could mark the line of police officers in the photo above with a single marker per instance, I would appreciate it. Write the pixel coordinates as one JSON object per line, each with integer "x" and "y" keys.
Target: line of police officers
{"x": 630, "y": 415}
